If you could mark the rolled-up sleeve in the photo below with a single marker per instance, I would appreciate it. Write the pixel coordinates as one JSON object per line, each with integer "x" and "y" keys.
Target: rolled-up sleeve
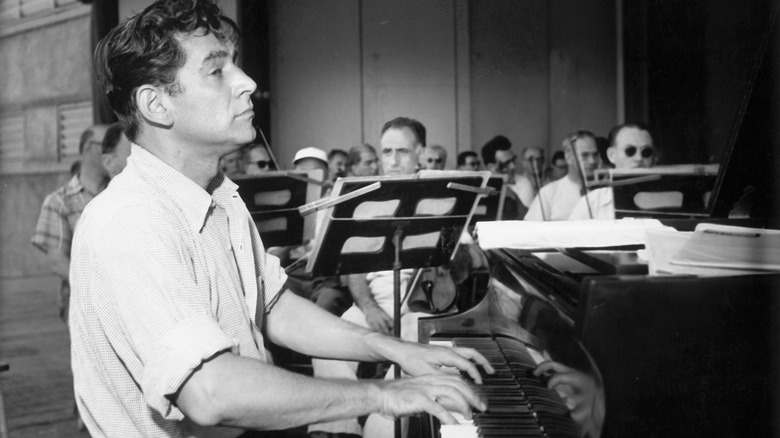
{"x": 52, "y": 231}
{"x": 165, "y": 326}
{"x": 175, "y": 357}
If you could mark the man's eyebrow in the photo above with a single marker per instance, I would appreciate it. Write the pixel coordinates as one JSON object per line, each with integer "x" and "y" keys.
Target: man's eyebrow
{"x": 214, "y": 55}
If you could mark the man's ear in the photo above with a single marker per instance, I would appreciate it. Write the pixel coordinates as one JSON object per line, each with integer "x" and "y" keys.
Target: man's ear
{"x": 612, "y": 154}
{"x": 152, "y": 104}
{"x": 107, "y": 160}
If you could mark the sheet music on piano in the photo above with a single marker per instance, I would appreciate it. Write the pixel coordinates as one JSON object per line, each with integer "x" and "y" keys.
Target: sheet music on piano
{"x": 533, "y": 235}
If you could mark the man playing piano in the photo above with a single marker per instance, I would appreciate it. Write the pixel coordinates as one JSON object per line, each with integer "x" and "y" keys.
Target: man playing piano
{"x": 173, "y": 294}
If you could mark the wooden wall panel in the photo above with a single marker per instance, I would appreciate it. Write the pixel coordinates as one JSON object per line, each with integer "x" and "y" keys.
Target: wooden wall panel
{"x": 409, "y": 67}
{"x": 509, "y": 71}
{"x": 315, "y": 76}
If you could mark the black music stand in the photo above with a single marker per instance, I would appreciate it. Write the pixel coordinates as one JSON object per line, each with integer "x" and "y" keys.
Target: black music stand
{"x": 491, "y": 207}
{"x": 273, "y": 199}
{"x": 383, "y": 223}
{"x": 679, "y": 191}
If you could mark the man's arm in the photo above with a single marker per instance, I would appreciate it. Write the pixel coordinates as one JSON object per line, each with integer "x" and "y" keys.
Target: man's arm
{"x": 236, "y": 391}
{"x": 376, "y": 318}
{"x": 59, "y": 263}
{"x": 53, "y": 235}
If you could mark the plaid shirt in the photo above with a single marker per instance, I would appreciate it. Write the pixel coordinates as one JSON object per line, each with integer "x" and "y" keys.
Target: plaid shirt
{"x": 59, "y": 213}
{"x": 163, "y": 277}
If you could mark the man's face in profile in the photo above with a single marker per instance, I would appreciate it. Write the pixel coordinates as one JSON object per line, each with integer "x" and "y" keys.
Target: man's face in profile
{"x": 633, "y": 149}
{"x": 368, "y": 165}
{"x": 399, "y": 151}
{"x": 210, "y": 104}
{"x": 505, "y": 165}
{"x": 589, "y": 155}
{"x": 338, "y": 166}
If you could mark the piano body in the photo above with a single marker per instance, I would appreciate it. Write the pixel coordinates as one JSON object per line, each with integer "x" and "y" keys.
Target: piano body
{"x": 655, "y": 356}
{"x": 652, "y": 356}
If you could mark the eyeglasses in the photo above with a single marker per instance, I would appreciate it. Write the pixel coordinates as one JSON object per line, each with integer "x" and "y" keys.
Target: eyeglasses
{"x": 504, "y": 164}
{"x": 432, "y": 160}
{"x": 264, "y": 163}
{"x": 646, "y": 152}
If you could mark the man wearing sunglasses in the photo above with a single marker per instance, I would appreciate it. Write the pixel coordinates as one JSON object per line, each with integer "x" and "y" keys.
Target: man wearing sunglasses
{"x": 630, "y": 147}
{"x": 258, "y": 160}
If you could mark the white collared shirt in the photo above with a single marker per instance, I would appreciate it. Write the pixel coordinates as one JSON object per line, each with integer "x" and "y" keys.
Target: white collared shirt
{"x": 163, "y": 277}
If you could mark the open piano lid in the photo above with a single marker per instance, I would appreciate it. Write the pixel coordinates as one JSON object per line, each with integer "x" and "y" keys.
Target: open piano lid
{"x": 747, "y": 184}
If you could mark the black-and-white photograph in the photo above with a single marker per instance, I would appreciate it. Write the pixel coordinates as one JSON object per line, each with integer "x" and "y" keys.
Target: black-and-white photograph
{"x": 389, "y": 218}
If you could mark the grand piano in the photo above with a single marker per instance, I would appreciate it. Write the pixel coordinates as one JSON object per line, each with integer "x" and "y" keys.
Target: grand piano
{"x": 644, "y": 355}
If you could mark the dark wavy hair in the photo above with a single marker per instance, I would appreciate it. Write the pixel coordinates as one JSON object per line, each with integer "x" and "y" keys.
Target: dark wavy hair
{"x": 495, "y": 144}
{"x": 111, "y": 138}
{"x": 145, "y": 49}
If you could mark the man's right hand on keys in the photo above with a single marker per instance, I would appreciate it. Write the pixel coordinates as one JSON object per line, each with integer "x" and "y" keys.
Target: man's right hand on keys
{"x": 438, "y": 395}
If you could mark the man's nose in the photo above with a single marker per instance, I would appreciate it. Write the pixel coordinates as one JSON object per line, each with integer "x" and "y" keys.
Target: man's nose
{"x": 245, "y": 84}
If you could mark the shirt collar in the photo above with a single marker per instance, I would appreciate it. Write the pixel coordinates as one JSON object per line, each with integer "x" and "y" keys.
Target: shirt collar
{"x": 73, "y": 186}
{"x": 193, "y": 200}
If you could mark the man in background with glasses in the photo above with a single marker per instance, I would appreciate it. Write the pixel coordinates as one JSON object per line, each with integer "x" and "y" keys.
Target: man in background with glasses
{"x": 258, "y": 160}
{"x": 630, "y": 147}
{"x": 499, "y": 159}
{"x": 433, "y": 157}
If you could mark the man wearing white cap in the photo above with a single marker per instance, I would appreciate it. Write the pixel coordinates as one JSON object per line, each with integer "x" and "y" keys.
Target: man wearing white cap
{"x": 311, "y": 159}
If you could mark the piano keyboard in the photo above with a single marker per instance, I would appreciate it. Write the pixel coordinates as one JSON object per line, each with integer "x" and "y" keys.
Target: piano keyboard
{"x": 519, "y": 403}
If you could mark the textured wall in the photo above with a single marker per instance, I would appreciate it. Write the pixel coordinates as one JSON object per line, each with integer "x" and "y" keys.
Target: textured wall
{"x": 45, "y": 67}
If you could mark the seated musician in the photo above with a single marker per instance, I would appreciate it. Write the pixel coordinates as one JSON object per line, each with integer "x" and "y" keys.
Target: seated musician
{"x": 555, "y": 201}
{"x": 173, "y": 295}
{"x": 332, "y": 293}
{"x": 531, "y": 179}
{"x": 500, "y": 160}
{"x": 401, "y": 142}
{"x": 630, "y": 147}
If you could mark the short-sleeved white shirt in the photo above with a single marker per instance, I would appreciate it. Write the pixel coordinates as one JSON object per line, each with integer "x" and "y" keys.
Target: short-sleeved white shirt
{"x": 602, "y": 205}
{"x": 554, "y": 201}
{"x": 164, "y": 275}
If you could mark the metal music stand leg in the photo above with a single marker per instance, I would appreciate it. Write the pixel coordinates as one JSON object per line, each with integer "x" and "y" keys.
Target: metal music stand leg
{"x": 397, "y": 308}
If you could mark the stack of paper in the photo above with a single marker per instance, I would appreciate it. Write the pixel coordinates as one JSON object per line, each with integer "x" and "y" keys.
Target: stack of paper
{"x": 723, "y": 246}
{"x": 564, "y": 234}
